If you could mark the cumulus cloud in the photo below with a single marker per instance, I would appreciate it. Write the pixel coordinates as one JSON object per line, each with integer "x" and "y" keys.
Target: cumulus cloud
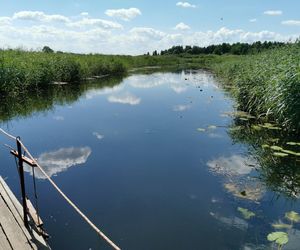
{"x": 182, "y": 26}
{"x": 124, "y": 14}
{"x": 253, "y": 20}
{"x": 39, "y": 16}
{"x": 84, "y": 14}
{"x": 273, "y": 12}
{"x": 185, "y": 5}
{"x": 105, "y": 24}
{"x": 83, "y": 34}
{"x": 126, "y": 98}
{"x": 147, "y": 32}
{"x": 291, "y": 22}
{"x": 60, "y": 160}
{"x": 5, "y": 20}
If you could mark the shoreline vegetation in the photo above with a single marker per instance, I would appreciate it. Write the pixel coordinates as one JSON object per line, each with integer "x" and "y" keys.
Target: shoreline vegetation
{"x": 264, "y": 78}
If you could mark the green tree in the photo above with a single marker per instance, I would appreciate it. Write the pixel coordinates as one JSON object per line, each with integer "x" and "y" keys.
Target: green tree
{"x": 47, "y": 49}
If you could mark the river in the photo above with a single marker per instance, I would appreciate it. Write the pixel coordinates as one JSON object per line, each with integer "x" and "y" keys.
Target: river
{"x": 157, "y": 161}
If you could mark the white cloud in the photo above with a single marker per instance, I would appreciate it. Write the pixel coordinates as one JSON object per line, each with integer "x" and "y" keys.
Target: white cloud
{"x": 147, "y": 32}
{"x": 5, "y": 20}
{"x": 124, "y": 14}
{"x": 273, "y": 12}
{"x": 178, "y": 89}
{"x": 60, "y": 160}
{"x": 105, "y": 24}
{"x": 182, "y": 26}
{"x": 185, "y": 5}
{"x": 59, "y": 118}
{"x": 125, "y": 98}
{"x": 233, "y": 165}
{"x": 253, "y": 20}
{"x": 82, "y": 34}
{"x": 98, "y": 136}
{"x": 180, "y": 108}
{"x": 85, "y": 14}
{"x": 40, "y": 16}
{"x": 291, "y": 22}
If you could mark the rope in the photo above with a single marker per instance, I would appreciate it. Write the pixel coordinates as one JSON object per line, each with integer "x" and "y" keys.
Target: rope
{"x": 98, "y": 231}
{"x": 7, "y": 134}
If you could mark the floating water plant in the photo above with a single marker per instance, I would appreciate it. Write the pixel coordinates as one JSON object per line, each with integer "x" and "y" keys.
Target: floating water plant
{"x": 293, "y": 143}
{"x": 247, "y": 214}
{"x": 212, "y": 127}
{"x": 281, "y": 225}
{"x": 279, "y": 154}
{"x": 280, "y": 238}
{"x": 292, "y": 216}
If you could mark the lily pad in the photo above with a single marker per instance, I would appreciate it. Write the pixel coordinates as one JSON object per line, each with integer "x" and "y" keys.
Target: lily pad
{"x": 247, "y": 214}
{"x": 212, "y": 127}
{"x": 290, "y": 152}
{"x": 277, "y": 148}
{"x": 235, "y": 128}
{"x": 280, "y": 238}
{"x": 292, "y": 143}
{"x": 281, "y": 226}
{"x": 255, "y": 127}
{"x": 292, "y": 216}
{"x": 201, "y": 129}
{"x": 279, "y": 154}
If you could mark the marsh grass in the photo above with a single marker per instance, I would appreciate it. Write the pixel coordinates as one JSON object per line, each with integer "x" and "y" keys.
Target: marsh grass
{"x": 266, "y": 84}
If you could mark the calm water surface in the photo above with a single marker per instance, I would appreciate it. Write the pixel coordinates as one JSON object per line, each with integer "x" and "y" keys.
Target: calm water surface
{"x": 153, "y": 160}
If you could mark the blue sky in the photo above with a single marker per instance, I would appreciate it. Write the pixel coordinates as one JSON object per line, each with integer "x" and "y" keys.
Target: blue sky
{"x": 138, "y": 26}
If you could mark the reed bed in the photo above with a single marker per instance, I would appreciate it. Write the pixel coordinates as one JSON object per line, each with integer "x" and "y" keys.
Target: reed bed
{"x": 267, "y": 84}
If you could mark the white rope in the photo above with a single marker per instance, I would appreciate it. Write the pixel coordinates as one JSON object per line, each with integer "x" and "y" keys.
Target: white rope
{"x": 99, "y": 232}
{"x": 7, "y": 134}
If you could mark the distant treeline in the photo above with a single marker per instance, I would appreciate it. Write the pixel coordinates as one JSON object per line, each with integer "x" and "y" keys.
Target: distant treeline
{"x": 221, "y": 49}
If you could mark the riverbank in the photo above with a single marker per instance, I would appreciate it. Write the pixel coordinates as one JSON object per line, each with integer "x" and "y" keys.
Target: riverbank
{"x": 267, "y": 85}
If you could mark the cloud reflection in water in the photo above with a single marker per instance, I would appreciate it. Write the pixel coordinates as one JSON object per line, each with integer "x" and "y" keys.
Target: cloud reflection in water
{"x": 60, "y": 160}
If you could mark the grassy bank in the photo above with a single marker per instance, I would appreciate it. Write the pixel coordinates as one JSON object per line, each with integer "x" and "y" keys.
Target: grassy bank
{"x": 267, "y": 84}
{"x": 21, "y": 71}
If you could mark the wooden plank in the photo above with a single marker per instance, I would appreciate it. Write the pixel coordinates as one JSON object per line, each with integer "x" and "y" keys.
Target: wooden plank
{"x": 24, "y": 158}
{"x": 31, "y": 210}
{"x": 4, "y": 243}
{"x": 12, "y": 229}
{"x": 17, "y": 211}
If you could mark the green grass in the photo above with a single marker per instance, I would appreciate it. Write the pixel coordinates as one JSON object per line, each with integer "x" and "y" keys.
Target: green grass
{"x": 267, "y": 84}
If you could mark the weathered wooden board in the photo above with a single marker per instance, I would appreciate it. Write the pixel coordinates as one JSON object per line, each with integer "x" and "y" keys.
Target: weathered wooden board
{"x": 13, "y": 234}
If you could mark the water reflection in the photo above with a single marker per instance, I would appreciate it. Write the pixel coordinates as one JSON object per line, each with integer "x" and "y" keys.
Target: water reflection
{"x": 280, "y": 174}
{"x": 178, "y": 108}
{"x": 44, "y": 99}
{"x": 60, "y": 160}
{"x": 236, "y": 170}
{"x": 232, "y": 165}
{"x": 177, "y": 84}
{"x": 104, "y": 91}
{"x": 125, "y": 98}
{"x": 232, "y": 221}
{"x": 98, "y": 136}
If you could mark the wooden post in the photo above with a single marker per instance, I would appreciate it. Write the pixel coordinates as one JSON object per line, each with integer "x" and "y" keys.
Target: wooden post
{"x": 22, "y": 181}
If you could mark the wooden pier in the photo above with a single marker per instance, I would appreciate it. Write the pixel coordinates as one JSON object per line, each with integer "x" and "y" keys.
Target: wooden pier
{"x": 13, "y": 233}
